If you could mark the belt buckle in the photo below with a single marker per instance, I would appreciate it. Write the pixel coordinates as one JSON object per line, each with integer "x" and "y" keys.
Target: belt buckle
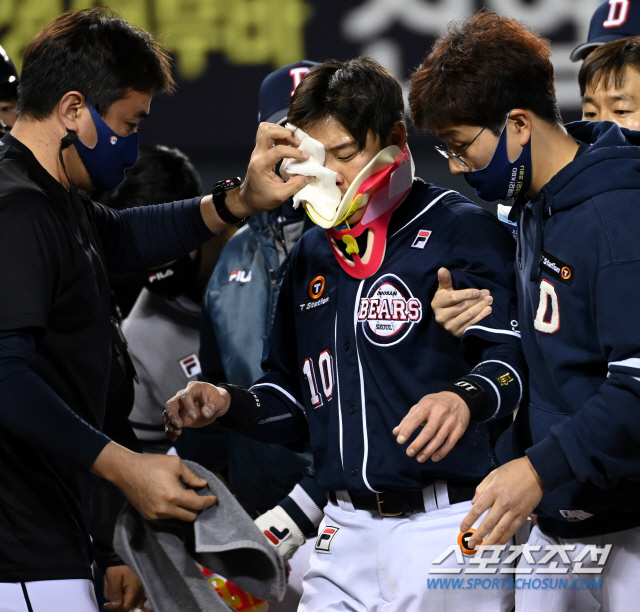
{"x": 379, "y": 502}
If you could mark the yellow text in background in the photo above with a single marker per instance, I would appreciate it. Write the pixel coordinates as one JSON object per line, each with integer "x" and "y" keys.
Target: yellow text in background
{"x": 245, "y": 31}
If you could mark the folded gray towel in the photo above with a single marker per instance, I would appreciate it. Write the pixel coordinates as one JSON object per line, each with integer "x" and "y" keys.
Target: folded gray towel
{"x": 223, "y": 538}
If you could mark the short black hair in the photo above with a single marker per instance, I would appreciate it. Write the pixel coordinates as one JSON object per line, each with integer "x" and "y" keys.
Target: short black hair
{"x": 362, "y": 95}
{"x": 608, "y": 63}
{"x": 160, "y": 175}
{"x": 479, "y": 70}
{"x": 94, "y": 52}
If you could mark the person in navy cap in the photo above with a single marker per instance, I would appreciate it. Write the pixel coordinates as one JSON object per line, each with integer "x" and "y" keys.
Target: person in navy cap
{"x": 613, "y": 19}
{"x": 8, "y": 90}
{"x": 277, "y": 88}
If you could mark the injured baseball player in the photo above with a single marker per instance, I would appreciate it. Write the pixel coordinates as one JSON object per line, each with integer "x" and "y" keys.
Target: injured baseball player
{"x": 357, "y": 359}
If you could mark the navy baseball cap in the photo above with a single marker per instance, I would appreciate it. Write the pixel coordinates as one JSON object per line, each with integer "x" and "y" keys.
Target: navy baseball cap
{"x": 276, "y": 91}
{"x": 8, "y": 72}
{"x": 613, "y": 20}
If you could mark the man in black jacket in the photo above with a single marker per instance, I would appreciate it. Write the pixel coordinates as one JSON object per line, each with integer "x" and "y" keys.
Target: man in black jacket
{"x": 87, "y": 82}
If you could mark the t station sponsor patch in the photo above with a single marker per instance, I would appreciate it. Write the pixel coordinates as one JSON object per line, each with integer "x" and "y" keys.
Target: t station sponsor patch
{"x": 316, "y": 293}
{"x": 556, "y": 268}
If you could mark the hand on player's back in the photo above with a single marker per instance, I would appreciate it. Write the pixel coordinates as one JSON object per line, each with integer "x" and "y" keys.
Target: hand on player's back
{"x": 196, "y": 406}
{"x": 444, "y": 417}
{"x": 456, "y": 310}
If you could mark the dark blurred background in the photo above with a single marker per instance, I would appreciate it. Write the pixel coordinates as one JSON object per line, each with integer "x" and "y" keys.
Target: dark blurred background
{"x": 224, "y": 48}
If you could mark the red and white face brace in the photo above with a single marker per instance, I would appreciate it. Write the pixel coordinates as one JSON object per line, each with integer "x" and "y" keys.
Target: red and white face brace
{"x": 381, "y": 186}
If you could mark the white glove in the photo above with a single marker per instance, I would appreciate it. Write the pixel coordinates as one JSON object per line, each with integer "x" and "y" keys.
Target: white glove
{"x": 281, "y": 531}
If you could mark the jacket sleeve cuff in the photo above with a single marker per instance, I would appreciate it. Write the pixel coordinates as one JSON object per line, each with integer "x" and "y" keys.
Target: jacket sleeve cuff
{"x": 550, "y": 463}
{"x": 245, "y": 410}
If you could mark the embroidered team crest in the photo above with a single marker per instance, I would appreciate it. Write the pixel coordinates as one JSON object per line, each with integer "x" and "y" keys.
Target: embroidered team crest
{"x": 190, "y": 366}
{"x": 389, "y": 311}
{"x": 421, "y": 239}
{"x": 323, "y": 543}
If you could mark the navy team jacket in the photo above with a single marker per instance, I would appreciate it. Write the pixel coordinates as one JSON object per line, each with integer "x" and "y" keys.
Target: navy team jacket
{"x": 350, "y": 357}
{"x": 579, "y": 297}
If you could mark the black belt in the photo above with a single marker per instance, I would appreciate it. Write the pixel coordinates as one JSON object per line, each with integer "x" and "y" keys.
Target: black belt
{"x": 403, "y": 503}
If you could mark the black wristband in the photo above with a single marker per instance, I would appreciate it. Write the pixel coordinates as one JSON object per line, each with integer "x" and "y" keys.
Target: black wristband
{"x": 219, "y": 194}
{"x": 477, "y": 398}
{"x": 244, "y": 411}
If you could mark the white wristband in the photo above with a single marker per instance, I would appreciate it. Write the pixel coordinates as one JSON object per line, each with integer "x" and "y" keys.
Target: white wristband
{"x": 281, "y": 531}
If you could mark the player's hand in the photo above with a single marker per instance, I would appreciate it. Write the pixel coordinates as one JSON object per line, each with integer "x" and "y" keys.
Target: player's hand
{"x": 281, "y": 531}
{"x": 123, "y": 589}
{"x": 444, "y": 417}
{"x": 196, "y": 406}
{"x": 152, "y": 483}
{"x": 512, "y": 491}
{"x": 456, "y": 310}
{"x": 262, "y": 188}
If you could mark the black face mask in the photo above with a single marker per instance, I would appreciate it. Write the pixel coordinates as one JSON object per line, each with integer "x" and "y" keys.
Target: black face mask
{"x": 174, "y": 279}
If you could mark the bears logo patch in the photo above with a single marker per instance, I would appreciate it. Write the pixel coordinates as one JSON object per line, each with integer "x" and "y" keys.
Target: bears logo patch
{"x": 389, "y": 311}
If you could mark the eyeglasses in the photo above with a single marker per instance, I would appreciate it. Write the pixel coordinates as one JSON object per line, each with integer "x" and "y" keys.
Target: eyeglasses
{"x": 456, "y": 156}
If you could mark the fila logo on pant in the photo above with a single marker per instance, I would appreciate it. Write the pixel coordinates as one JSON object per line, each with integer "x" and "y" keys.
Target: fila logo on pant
{"x": 325, "y": 537}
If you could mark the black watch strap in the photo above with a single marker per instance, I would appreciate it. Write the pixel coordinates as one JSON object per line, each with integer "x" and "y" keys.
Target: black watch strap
{"x": 219, "y": 193}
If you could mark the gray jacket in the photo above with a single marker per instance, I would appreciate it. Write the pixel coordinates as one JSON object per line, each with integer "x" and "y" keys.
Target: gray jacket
{"x": 163, "y": 341}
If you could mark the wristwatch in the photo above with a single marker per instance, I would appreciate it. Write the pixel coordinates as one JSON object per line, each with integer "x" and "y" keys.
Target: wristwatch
{"x": 219, "y": 193}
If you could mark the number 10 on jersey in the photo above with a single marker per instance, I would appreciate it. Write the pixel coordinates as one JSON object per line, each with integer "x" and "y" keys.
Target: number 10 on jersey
{"x": 325, "y": 367}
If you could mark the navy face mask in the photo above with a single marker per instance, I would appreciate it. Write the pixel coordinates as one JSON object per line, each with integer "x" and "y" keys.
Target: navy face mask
{"x": 502, "y": 179}
{"x": 111, "y": 155}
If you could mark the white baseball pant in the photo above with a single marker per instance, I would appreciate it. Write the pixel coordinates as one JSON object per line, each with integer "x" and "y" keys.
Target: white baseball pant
{"x": 75, "y": 595}
{"x": 617, "y": 591}
{"x": 367, "y": 563}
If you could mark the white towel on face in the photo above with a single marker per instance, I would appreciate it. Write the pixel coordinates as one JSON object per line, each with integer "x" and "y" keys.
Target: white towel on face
{"x": 322, "y": 194}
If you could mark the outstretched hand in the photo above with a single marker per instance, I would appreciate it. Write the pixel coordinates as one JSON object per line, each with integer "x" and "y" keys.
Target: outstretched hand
{"x": 444, "y": 417}
{"x": 262, "y": 188}
{"x": 455, "y": 309}
{"x": 196, "y": 406}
